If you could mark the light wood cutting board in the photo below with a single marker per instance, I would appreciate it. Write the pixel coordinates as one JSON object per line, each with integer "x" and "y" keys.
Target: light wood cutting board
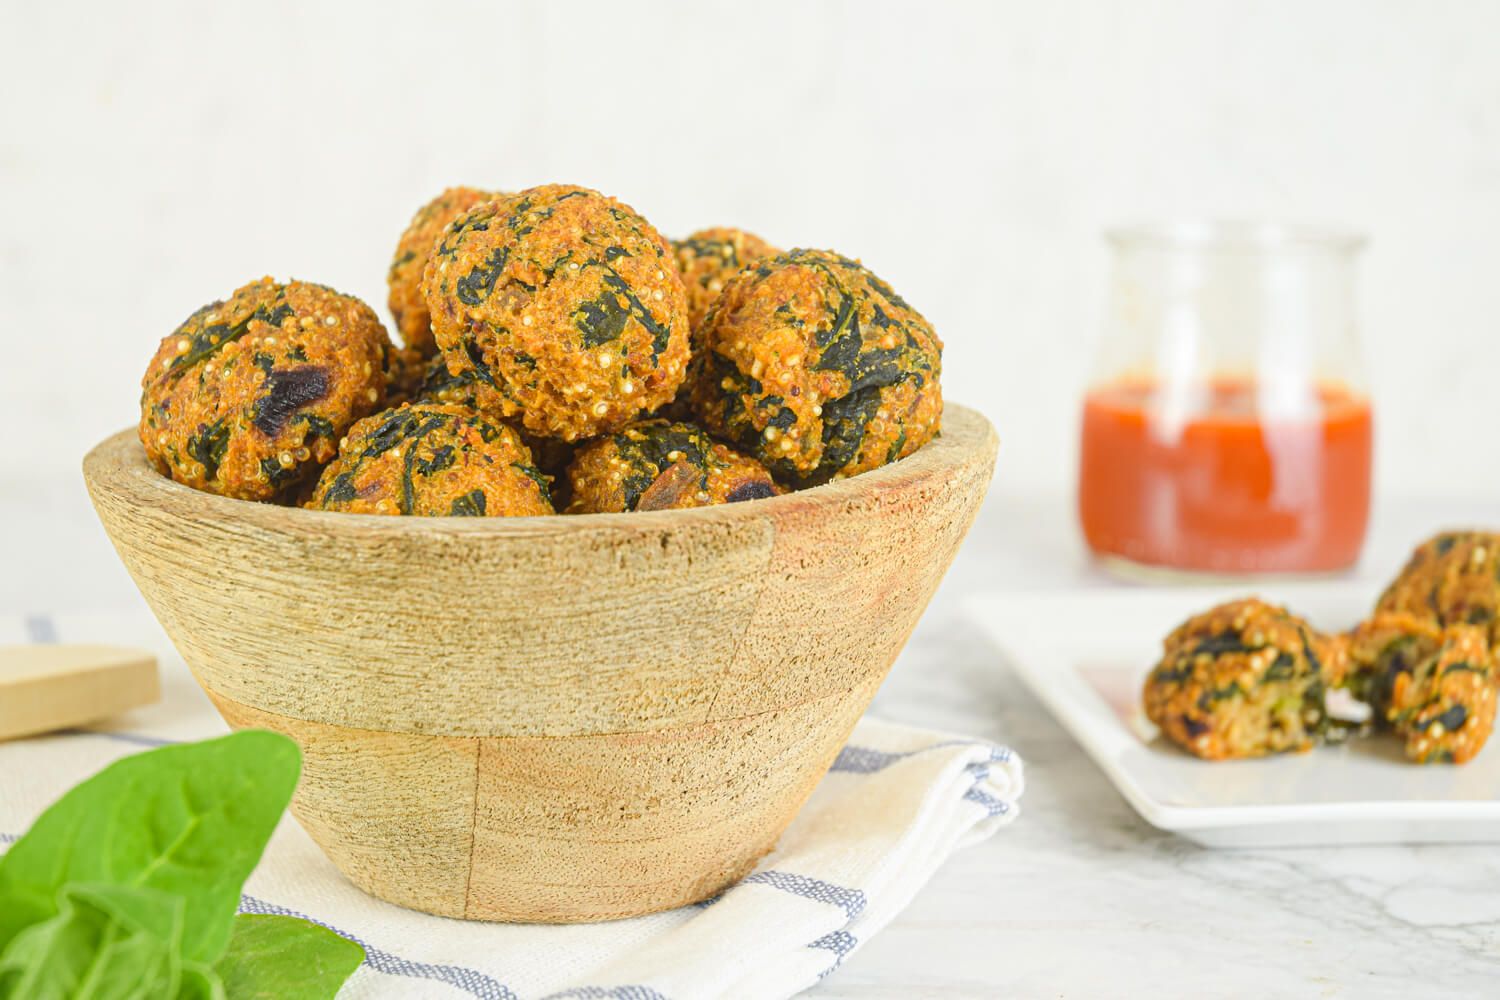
{"x": 49, "y": 687}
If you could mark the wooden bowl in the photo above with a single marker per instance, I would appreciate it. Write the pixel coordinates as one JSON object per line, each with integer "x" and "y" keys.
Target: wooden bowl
{"x": 549, "y": 718}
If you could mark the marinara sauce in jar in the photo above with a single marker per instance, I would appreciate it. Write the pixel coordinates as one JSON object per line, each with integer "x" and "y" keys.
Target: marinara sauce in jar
{"x": 1226, "y": 430}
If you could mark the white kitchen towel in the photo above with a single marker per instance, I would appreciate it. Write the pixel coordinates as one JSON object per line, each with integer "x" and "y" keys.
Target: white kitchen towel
{"x": 896, "y": 803}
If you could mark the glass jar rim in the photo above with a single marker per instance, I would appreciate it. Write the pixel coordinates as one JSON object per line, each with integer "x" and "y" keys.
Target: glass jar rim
{"x": 1235, "y": 235}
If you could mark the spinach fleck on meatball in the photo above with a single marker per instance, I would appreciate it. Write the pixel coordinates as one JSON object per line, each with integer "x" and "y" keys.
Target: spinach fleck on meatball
{"x": 818, "y": 368}
{"x": 404, "y": 278}
{"x": 707, "y": 260}
{"x": 566, "y": 308}
{"x": 1452, "y": 579}
{"x": 551, "y": 455}
{"x": 249, "y": 396}
{"x": 1244, "y": 679}
{"x": 439, "y": 385}
{"x": 433, "y": 461}
{"x": 660, "y": 465}
{"x": 1433, "y": 685}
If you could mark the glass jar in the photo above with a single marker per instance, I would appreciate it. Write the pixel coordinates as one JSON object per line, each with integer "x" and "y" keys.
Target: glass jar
{"x": 1226, "y": 428}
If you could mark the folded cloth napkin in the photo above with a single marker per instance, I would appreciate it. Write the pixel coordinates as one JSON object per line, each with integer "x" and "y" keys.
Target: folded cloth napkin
{"x": 896, "y": 803}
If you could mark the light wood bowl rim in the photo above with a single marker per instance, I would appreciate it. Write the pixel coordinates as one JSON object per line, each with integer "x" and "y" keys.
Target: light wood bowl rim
{"x": 118, "y": 465}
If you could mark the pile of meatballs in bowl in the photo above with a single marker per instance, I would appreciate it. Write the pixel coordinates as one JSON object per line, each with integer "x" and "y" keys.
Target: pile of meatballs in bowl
{"x": 557, "y": 355}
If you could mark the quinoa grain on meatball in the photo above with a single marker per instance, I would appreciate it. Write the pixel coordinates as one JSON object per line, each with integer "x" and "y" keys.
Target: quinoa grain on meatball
{"x": 660, "y": 465}
{"x": 433, "y": 461}
{"x": 1244, "y": 679}
{"x": 404, "y": 278}
{"x": 249, "y": 396}
{"x": 566, "y": 308}
{"x": 1433, "y": 685}
{"x": 707, "y": 260}
{"x": 551, "y": 455}
{"x": 818, "y": 368}
{"x": 1453, "y": 579}
{"x": 439, "y": 385}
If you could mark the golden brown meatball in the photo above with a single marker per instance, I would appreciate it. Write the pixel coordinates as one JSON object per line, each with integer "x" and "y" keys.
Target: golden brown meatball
{"x": 1433, "y": 685}
{"x": 660, "y": 465}
{"x": 707, "y": 260}
{"x": 815, "y": 366}
{"x": 565, "y": 307}
{"x": 248, "y": 397}
{"x": 551, "y": 455}
{"x": 1244, "y": 679}
{"x": 433, "y": 461}
{"x": 405, "y": 275}
{"x": 439, "y": 385}
{"x": 1452, "y": 579}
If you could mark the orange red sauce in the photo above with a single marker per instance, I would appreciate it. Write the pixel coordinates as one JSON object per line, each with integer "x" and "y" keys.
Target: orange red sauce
{"x": 1228, "y": 485}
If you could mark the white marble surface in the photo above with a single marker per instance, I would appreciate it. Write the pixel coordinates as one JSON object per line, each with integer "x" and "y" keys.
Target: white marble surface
{"x": 1080, "y": 898}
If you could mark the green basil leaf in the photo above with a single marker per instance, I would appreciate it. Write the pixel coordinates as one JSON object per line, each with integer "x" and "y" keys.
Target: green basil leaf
{"x": 284, "y": 958}
{"x": 107, "y": 942}
{"x": 189, "y": 820}
{"x": 200, "y": 982}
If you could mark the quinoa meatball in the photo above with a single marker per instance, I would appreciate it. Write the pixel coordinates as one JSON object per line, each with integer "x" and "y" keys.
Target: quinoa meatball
{"x": 433, "y": 461}
{"x": 1452, "y": 579}
{"x": 660, "y": 465}
{"x": 404, "y": 278}
{"x": 566, "y": 308}
{"x": 440, "y": 385}
{"x": 707, "y": 260}
{"x": 815, "y": 366}
{"x": 1245, "y": 679}
{"x": 1433, "y": 685}
{"x": 249, "y": 396}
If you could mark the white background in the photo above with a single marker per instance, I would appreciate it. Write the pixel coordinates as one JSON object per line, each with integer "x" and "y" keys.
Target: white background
{"x": 153, "y": 156}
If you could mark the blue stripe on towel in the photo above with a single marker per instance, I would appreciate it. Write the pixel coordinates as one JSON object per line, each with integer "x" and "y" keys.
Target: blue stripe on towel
{"x": 864, "y": 760}
{"x": 867, "y": 760}
{"x": 41, "y": 629}
{"x": 470, "y": 981}
{"x": 841, "y": 943}
{"x": 612, "y": 993}
{"x": 851, "y": 901}
{"x": 137, "y": 740}
{"x": 992, "y": 805}
{"x": 980, "y": 772}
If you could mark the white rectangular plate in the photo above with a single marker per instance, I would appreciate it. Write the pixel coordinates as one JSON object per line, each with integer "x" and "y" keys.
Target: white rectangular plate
{"x": 1085, "y": 656}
